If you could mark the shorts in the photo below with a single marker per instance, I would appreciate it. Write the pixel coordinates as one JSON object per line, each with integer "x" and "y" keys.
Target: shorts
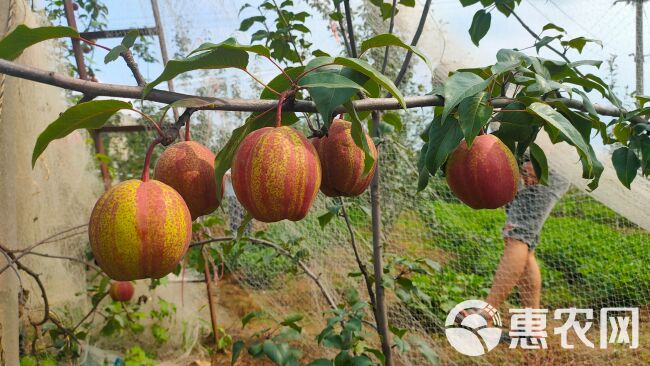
{"x": 526, "y": 214}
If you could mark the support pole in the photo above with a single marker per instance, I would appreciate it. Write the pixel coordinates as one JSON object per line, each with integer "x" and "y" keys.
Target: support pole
{"x": 638, "y": 56}
{"x": 83, "y": 75}
{"x": 163, "y": 46}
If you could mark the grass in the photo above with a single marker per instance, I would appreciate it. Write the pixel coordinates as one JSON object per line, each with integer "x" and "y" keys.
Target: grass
{"x": 589, "y": 255}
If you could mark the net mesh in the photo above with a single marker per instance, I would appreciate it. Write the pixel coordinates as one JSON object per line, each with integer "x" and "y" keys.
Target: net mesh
{"x": 590, "y": 257}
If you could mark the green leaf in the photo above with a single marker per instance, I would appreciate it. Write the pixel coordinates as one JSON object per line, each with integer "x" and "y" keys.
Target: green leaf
{"x": 330, "y": 79}
{"x": 188, "y": 103}
{"x": 242, "y": 225}
{"x": 549, "y": 26}
{"x": 580, "y": 42}
{"x": 642, "y": 100}
{"x": 359, "y": 137}
{"x": 114, "y": 53}
{"x": 328, "y": 98}
{"x": 393, "y": 119}
{"x": 325, "y": 219}
{"x": 91, "y": 115}
{"x": 480, "y": 26}
{"x": 248, "y": 22}
{"x": 272, "y": 352}
{"x": 626, "y": 164}
{"x": 361, "y": 361}
{"x": 573, "y": 136}
{"x": 586, "y": 102}
{"x": 460, "y": 86}
{"x": 544, "y": 41}
{"x": 231, "y": 43}
{"x": 622, "y": 133}
{"x": 473, "y": 114}
{"x": 248, "y": 317}
{"x": 540, "y": 164}
{"x": 23, "y": 36}
{"x": 129, "y": 38}
{"x": 320, "y": 362}
{"x": 444, "y": 137}
{"x": 426, "y": 351}
{"x": 374, "y": 74}
{"x": 218, "y": 58}
{"x": 384, "y": 40}
{"x": 292, "y": 319}
{"x": 423, "y": 172}
{"x": 557, "y": 120}
{"x": 465, "y": 3}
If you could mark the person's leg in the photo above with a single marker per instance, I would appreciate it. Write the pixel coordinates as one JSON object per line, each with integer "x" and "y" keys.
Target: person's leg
{"x": 530, "y": 284}
{"x": 510, "y": 269}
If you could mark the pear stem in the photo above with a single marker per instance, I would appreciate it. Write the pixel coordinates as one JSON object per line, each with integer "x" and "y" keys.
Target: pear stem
{"x": 187, "y": 130}
{"x": 147, "y": 159}
{"x": 278, "y": 117}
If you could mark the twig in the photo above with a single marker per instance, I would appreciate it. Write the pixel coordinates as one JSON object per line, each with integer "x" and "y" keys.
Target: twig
{"x": 348, "y": 51}
{"x": 414, "y": 42}
{"x": 50, "y": 239}
{"x": 92, "y": 310}
{"x": 35, "y": 276}
{"x": 348, "y": 18}
{"x": 282, "y": 251}
{"x": 536, "y": 36}
{"x": 73, "y": 259}
{"x": 377, "y": 256}
{"x": 291, "y": 38}
{"x": 362, "y": 266}
{"x": 390, "y": 31}
{"x": 208, "y": 284}
{"x": 133, "y": 66}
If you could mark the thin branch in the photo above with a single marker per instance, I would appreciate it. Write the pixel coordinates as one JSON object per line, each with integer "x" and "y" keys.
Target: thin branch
{"x": 348, "y": 18}
{"x": 536, "y": 36}
{"x": 35, "y": 276}
{"x": 360, "y": 264}
{"x": 94, "y": 308}
{"x": 414, "y": 42}
{"x": 247, "y": 105}
{"x": 50, "y": 239}
{"x": 73, "y": 259}
{"x": 390, "y": 31}
{"x": 133, "y": 66}
{"x": 291, "y": 38}
{"x": 260, "y": 81}
{"x": 348, "y": 51}
{"x": 282, "y": 251}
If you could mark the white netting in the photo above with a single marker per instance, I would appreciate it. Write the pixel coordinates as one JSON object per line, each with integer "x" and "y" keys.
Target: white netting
{"x": 590, "y": 256}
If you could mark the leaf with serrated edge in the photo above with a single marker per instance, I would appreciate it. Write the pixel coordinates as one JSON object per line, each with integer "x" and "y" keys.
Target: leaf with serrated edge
{"x": 384, "y": 40}
{"x": 473, "y": 114}
{"x": 90, "y": 115}
{"x": 460, "y": 86}
{"x": 23, "y": 36}
{"x": 368, "y": 70}
{"x": 359, "y": 137}
{"x": 626, "y": 164}
{"x": 219, "y": 58}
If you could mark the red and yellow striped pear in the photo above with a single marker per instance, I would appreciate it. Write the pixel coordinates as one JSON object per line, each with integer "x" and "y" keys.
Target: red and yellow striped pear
{"x": 342, "y": 161}
{"x": 139, "y": 230}
{"x": 121, "y": 291}
{"x": 276, "y": 174}
{"x": 188, "y": 167}
{"x": 485, "y": 175}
